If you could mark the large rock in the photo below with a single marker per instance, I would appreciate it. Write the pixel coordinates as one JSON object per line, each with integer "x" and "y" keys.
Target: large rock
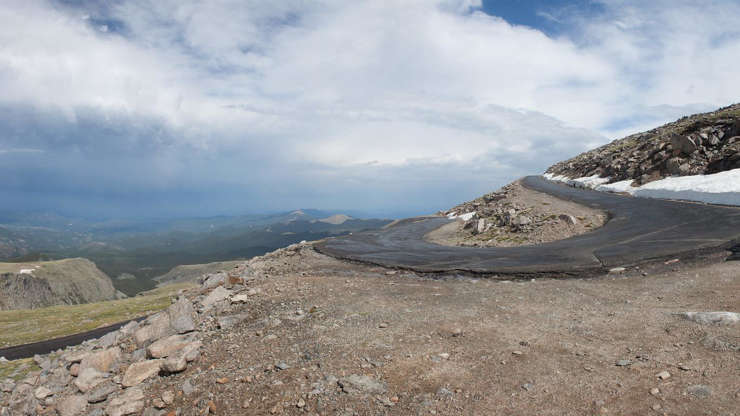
{"x": 166, "y": 346}
{"x": 360, "y": 384}
{"x": 213, "y": 280}
{"x": 158, "y": 326}
{"x": 179, "y": 361}
{"x": 218, "y": 294}
{"x": 89, "y": 378}
{"x": 683, "y": 144}
{"x": 129, "y": 403}
{"x": 72, "y": 406}
{"x": 101, "y": 360}
{"x": 181, "y": 316}
{"x": 100, "y": 392}
{"x": 706, "y": 318}
{"x": 138, "y": 372}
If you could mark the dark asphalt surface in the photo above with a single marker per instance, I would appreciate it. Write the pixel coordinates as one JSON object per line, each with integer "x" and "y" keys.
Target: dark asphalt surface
{"x": 48, "y": 346}
{"x": 639, "y": 229}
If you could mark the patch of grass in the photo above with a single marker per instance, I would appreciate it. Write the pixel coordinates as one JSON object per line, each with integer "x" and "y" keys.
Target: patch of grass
{"x": 17, "y": 369}
{"x": 31, "y": 325}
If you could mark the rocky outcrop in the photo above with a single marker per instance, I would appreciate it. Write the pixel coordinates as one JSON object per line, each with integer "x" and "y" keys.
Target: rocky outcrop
{"x": 700, "y": 144}
{"x": 62, "y": 282}
{"x": 110, "y": 375}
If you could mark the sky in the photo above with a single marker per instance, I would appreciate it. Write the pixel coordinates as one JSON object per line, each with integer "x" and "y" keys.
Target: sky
{"x": 173, "y": 108}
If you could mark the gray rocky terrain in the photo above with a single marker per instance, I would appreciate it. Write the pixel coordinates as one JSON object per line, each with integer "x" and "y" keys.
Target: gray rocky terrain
{"x": 699, "y": 144}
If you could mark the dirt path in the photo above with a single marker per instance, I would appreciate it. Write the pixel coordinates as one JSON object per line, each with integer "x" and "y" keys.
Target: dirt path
{"x": 332, "y": 338}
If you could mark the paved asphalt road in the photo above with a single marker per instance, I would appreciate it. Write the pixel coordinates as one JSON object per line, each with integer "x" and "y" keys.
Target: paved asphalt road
{"x": 639, "y": 229}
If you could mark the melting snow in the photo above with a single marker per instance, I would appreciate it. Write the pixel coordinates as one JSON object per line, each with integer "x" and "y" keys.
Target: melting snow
{"x": 26, "y": 271}
{"x": 717, "y": 188}
{"x": 463, "y": 217}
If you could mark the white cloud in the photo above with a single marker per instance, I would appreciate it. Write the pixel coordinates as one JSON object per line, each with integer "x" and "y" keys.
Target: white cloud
{"x": 334, "y": 90}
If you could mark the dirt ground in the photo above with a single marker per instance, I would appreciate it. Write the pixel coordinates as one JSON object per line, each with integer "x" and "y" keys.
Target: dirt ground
{"x": 515, "y": 216}
{"x": 463, "y": 346}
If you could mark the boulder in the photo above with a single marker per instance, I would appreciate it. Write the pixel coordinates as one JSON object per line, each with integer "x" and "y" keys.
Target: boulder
{"x": 568, "y": 219}
{"x": 129, "y": 403}
{"x": 100, "y": 392}
{"x": 166, "y": 346}
{"x": 101, "y": 360}
{"x": 229, "y": 321}
{"x": 179, "y": 361}
{"x": 181, "y": 316}
{"x": 361, "y": 384}
{"x": 138, "y": 372}
{"x": 706, "y": 318}
{"x": 110, "y": 339}
{"x": 213, "y": 280}
{"x": 218, "y": 294}
{"x": 42, "y": 392}
{"x": 89, "y": 378}
{"x": 683, "y": 144}
{"x": 158, "y": 326}
{"x": 72, "y": 406}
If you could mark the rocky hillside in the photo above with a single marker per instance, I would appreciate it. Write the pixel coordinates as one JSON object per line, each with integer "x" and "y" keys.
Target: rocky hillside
{"x": 191, "y": 272}
{"x": 699, "y": 144}
{"x": 40, "y": 284}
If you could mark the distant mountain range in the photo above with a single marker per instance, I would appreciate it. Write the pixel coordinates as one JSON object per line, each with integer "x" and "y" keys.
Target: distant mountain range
{"x": 149, "y": 248}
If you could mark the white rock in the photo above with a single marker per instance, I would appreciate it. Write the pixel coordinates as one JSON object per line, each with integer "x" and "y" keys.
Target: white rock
{"x": 720, "y": 318}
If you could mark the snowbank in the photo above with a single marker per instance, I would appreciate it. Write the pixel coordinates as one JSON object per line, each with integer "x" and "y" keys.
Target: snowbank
{"x": 717, "y": 188}
{"x": 463, "y": 217}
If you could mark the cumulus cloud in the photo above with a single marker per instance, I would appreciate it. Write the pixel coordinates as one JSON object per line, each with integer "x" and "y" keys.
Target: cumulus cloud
{"x": 407, "y": 106}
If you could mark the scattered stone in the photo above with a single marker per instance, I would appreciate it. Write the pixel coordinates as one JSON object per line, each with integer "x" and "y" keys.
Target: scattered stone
{"x": 282, "y": 366}
{"x": 663, "y": 375}
{"x": 74, "y": 369}
{"x": 72, "y": 406}
{"x": 708, "y": 318}
{"x": 517, "y": 352}
{"x": 528, "y": 386}
{"x": 700, "y": 390}
{"x": 240, "y": 298}
{"x": 300, "y": 404}
{"x": 138, "y": 372}
{"x": 623, "y": 363}
{"x": 42, "y": 392}
{"x": 654, "y": 391}
{"x": 168, "y": 397}
{"x": 383, "y": 325}
{"x": 187, "y": 388}
{"x": 7, "y": 386}
{"x": 656, "y": 407}
{"x": 230, "y": 321}
{"x": 222, "y": 380}
{"x": 181, "y": 316}
{"x": 457, "y": 332}
{"x": 617, "y": 270}
{"x": 568, "y": 219}
{"x": 130, "y": 402}
{"x": 75, "y": 356}
{"x": 361, "y": 384}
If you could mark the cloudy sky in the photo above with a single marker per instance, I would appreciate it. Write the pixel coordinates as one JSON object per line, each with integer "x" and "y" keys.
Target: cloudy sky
{"x": 395, "y": 107}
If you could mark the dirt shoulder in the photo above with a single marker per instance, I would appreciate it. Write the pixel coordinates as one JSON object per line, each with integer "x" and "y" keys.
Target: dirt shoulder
{"x": 321, "y": 336}
{"x": 515, "y": 216}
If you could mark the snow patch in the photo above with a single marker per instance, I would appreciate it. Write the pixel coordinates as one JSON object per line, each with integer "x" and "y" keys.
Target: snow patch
{"x": 26, "y": 271}
{"x": 717, "y": 188}
{"x": 464, "y": 217}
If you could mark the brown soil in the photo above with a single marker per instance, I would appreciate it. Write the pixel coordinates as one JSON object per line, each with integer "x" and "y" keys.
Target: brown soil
{"x": 550, "y": 219}
{"x": 470, "y": 347}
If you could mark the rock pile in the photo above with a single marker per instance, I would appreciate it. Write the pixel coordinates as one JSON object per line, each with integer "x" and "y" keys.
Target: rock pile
{"x": 700, "y": 144}
{"x": 110, "y": 375}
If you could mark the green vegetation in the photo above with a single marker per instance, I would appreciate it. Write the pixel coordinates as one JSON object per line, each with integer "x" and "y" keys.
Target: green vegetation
{"x": 17, "y": 369}
{"x": 24, "y": 326}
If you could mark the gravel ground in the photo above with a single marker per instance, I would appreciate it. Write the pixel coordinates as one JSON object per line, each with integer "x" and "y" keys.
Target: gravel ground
{"x": 327, "y": 337}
